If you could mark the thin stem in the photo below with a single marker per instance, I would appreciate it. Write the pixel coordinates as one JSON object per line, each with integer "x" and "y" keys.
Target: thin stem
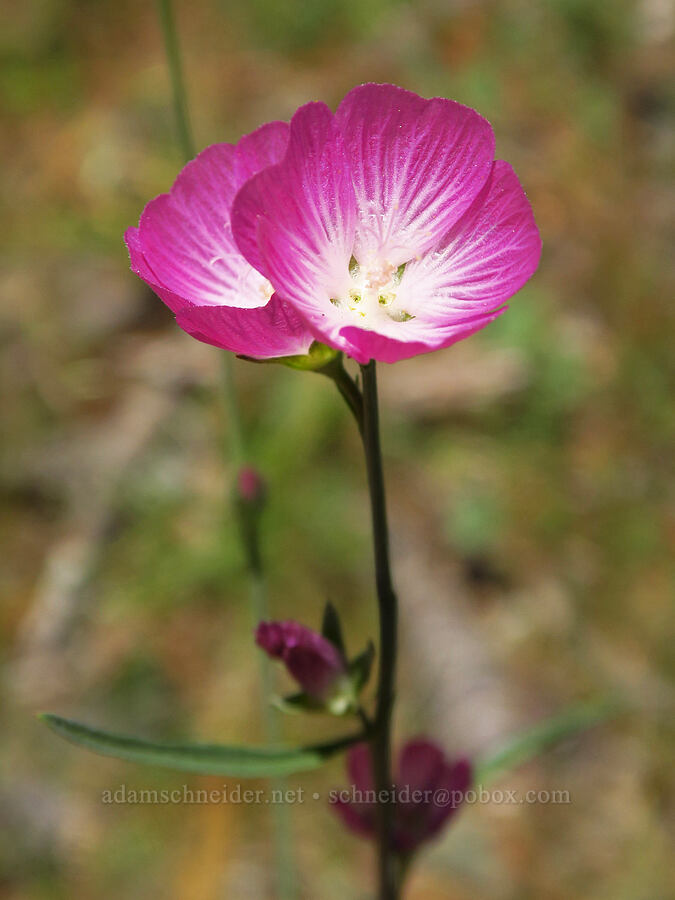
{"x": 231, "y": 403}
{"x": 283, "y": 838}
{"x": 388, "y": 614}
{"x": 249, "y": 526}
{"x": 365, "y": 720}
{"x": 180, "y": 105}
{"x": 348, "y": 388}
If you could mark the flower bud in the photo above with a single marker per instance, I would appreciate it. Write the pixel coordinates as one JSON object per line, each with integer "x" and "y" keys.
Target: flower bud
{"x": 251, "y": 488}
{"x": 315, "y": 663}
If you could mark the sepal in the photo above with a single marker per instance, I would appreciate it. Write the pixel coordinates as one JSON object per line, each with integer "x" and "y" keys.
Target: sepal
{"x": 360, "y": 667}
{"x": 331, "y": 628}
{"x": 318, "y": 357}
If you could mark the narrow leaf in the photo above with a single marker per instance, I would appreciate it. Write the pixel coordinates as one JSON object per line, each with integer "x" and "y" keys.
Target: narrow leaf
{"x": 201, "y": 759}
{"x": 531, "y": 743}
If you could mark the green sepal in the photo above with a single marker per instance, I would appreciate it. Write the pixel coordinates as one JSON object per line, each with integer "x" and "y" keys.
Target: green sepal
{"x": 294, "y": 704}
{"x": 331, "y": 628}
{"x": 318, "y": 356}
{"x": 200, "y": 759}
{"x": 343, "y": 701}
{"x": 360, "y": 667}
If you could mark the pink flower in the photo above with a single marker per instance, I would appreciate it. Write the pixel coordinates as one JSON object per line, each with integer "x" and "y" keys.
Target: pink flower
{"x": 384, "y": 230}
{"x": 184, "y": 250}
{"x": 427, "y": 793}
{"x": 315, "y": 663}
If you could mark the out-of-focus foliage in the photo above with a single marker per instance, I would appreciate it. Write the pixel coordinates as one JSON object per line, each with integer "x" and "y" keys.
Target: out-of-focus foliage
{"x": 530, "y": 468}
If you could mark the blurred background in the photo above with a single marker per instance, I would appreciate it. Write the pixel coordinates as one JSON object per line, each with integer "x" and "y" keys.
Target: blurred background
{"x": 529, "y": 467}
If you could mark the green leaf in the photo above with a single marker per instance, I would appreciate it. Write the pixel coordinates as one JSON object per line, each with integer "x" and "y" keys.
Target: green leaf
{"x": 331, "y": 628}
{"x": 531, "y": 743}
{"x": 201, "y": 759}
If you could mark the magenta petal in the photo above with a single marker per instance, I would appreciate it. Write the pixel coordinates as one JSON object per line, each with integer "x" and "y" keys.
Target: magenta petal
{"x": 140, "y": 267}
{"x": 456, "y": 780}
{"x": 420, "y": 765}
{"x": 294, "y": 222}
{"x": 263, "y": 333}
{"x": 420, "y": 337}
{"x": 359, "y": 819}
{"x": 186, "y": 236}
{"x": 314, "y": 662}
{"x": 423, "y": 768}
{"x": 356, "y": 807}
{"x": 313, "y": 672}
{"x": 269, "y": 636}
{"x": 260, "y": 148}
{"x": 482, "y": 261}
{"x": 417, "y": 165}
{"x": 359, "y": 768}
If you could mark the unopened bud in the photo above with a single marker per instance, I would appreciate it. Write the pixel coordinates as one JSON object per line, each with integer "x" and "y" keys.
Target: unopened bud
{"x": 251, "y": 488}
{"x": 315, "y": 663}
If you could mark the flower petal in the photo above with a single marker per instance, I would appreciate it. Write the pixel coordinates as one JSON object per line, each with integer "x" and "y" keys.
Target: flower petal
{"x": 355, "y": 804}
{"x": 359, "y": 767}
{"x": 481, "y": 261}
{"x": 358, "y": 818}
{"x": 263, "y": 333}
{"x": 420, "y": 765}
{"x": 456, "y": 780}
{"x": 417, "y": 165}
{"x": 314, "y": 662}
{"x": 410, "y": 338}
{"x": 139, "y": 265}
{"x": 186, "y": 236}
{"x": 294, "y": 222}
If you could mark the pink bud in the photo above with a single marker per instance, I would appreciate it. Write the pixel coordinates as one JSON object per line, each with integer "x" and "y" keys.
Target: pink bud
{"x": 310, "y": 658}
{"x": 250, "y": 485}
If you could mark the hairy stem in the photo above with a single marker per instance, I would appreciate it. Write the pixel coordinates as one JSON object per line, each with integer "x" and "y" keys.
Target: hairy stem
{"x": 249, "y": 526}
{"x": 388, "y": 615}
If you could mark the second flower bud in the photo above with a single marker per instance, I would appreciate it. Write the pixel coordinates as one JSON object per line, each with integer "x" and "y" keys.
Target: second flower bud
{"x": 329, "y": 681}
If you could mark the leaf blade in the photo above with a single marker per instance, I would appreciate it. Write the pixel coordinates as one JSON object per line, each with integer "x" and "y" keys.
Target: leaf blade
{"x": 544, "y": 735}
{"x": 200, "y": 759}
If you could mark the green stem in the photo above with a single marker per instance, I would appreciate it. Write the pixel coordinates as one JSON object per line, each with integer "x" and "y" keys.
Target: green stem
{"x": 348, "y": 388}
{"x": 388, "y": 615}
{"x": 283, "y": 840}
{"x": 180, "y": 105}
{"x": 230, "y": 400}
{"x": 250, "y": 529}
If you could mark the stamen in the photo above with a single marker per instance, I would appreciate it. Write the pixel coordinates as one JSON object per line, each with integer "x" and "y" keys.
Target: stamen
{"x": 374, "y": 291}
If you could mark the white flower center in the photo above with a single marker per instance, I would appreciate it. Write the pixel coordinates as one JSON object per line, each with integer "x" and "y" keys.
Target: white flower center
{"x": 372, "y": 295}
